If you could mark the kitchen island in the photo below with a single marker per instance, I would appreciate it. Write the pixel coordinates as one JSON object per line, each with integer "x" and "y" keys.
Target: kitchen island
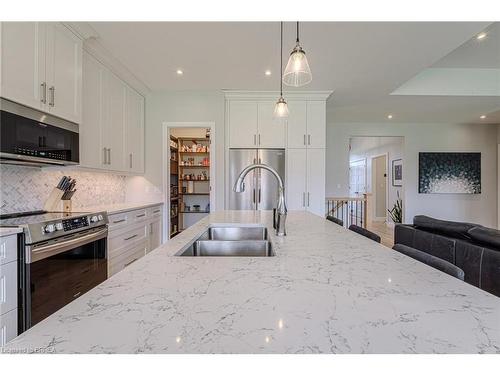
{"x": 326, "y": 290}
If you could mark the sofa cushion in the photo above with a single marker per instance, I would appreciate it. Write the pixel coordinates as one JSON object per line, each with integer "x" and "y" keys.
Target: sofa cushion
{"x": 404, "y": 234}
{"x": 468, "y": 257}
{"x": 450, "y": 228}
{"x": 487, "y": 236}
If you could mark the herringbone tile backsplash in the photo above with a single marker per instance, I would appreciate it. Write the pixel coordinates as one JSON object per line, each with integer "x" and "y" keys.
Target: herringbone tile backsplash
{"x": 26, "y": 188}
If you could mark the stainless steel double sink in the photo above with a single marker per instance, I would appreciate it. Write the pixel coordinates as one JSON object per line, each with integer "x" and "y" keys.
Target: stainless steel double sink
{"x": 231, "y": 241}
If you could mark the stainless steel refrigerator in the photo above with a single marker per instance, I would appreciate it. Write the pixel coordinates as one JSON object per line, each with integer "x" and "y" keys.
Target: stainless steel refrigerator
{"x": 261, "y": 187}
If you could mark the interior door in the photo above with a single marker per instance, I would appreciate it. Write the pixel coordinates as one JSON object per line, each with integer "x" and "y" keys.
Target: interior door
{"x": 242, "y": 124}
{"x": 64, "y": 72}
{"x": 296, "y": 178}
{"x": 271, "y": 132}
{"x": 316, "y": 124}
{"x": 267, "y": 185}
{"x": 23, "y": 63}
{"x": 316, "y": 181}
{"x": 357, "y": 177}
{"x": 238, "y": 160}
{"x": 297, "y": 124}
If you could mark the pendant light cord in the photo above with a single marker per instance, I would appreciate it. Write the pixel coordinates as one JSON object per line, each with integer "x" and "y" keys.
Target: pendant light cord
{"x": 281, "y": 59}
{"x": 297, "y": 31}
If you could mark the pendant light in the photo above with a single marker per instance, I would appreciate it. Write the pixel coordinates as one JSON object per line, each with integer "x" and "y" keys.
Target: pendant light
{"x": 297, "y": 72}
{"x": 281, "y": 108}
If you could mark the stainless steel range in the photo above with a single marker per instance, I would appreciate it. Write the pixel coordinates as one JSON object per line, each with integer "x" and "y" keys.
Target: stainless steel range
{"x": 61, "y": 256}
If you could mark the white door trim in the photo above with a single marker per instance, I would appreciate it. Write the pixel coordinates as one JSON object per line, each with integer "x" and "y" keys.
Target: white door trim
{"x": 166, "y": 166}
{"x": 374, "y": 191}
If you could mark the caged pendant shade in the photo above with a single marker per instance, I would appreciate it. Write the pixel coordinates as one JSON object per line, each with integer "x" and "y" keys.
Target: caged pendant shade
{"x": 281, "y": 108}
{"x": 297, "y": 71}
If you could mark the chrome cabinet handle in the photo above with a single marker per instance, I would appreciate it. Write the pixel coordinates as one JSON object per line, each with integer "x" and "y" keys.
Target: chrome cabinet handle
{"x": 254, "y": 139}
{"x": 141, "y": 215}
{"x": 309, "y": 139}
{"x": 308, "y": 199}
{"x": 130, "y": 160}
{"x": 151, "y": 228}
{"x": 109, "y": 156}
{"x": 155, "y": 212}
{"x": 52, "y": 98}
{"x": 129, "y": 238}
{"x": 129, "y": 263}
{"x": 259, "y": 139}
{"x": 118, "y": 221}
{"x": 76, "y": 295}
{"x": 43, "y": 87}
{"x": 303, "y": 199}
{"x": 104, "y": 156}
{"x": 304, "y": 139}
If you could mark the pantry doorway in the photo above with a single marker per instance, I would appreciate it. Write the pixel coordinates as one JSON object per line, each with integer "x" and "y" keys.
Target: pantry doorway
{"x": 188, "y": 174}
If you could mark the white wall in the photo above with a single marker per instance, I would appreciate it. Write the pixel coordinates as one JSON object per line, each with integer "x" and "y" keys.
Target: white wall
{"x": 481, "y": 208}
{"x": 394, "y": 149}
{"x": 178, "y": 106}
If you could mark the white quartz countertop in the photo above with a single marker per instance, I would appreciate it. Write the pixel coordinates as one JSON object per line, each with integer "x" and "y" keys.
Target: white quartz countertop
{"x": 7, "y": 231}
{"x": 119, "y": 207}
{"x": 327, "y": 290}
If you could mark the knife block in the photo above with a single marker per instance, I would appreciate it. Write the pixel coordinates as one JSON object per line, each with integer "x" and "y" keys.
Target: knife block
{"x": 52, "y": 202}
{"x": 66, "y": 205}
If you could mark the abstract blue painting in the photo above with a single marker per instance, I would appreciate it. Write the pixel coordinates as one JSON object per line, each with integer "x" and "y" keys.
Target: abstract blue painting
{"x": 449, "y": 172}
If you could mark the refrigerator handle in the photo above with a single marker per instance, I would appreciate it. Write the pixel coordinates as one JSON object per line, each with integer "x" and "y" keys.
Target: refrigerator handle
{"x": 253, "y": 196}
{"x": 259, "y": 194}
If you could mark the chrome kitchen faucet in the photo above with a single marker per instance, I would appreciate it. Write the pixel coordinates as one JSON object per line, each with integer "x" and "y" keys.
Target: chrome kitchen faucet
{"x": 281, "y": 211}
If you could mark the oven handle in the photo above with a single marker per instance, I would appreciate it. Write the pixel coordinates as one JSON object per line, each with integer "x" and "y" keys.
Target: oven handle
{"x": 34, "y": 253}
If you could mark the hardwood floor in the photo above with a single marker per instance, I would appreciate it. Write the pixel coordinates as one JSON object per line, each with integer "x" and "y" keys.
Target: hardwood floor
{"x": 384, "y": 230}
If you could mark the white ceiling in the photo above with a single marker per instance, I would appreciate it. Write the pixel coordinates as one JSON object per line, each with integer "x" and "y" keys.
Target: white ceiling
{"x": 363, "y": 62}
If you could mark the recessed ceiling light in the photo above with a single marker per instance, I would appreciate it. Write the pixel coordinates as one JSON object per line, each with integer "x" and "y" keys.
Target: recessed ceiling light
{"x": 389, "y": 117}
{"x": 179, "y": 72}
{"x": 481, "y": 36}
{"x": 482, "y": 117}
{"x": 267, "y": 72}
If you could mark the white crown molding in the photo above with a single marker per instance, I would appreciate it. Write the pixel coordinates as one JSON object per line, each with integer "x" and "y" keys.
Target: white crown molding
{"x": 92, "y": 45}
{"x": 289, "y": 95}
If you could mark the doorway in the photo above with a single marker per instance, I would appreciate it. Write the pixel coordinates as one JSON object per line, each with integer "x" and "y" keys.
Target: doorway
{"x": 188, "y": 171}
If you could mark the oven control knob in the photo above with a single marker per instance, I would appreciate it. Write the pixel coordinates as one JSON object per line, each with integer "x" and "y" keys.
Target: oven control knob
{"x": 100, "y": 217}
{"x": 49, "y": 228}
{"x": 94, "y": 219}
{"x": 59, "y": 226}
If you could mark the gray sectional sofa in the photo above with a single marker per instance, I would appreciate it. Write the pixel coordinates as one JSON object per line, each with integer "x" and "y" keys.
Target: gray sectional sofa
{"x": 473, "y": 248}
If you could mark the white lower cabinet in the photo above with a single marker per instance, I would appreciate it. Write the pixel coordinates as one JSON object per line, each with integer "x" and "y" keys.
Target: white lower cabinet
{"x": 8, "y": 327}
{"x": 306, "y": 180}
{"x": 8, "y": 288}
{"x": 131, "y": 235}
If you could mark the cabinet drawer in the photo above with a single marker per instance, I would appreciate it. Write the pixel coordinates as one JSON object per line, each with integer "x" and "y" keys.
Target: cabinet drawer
{"x": 118, "y": 220}
{"x": 129, "y": 236}
{"x": 127, "y": 257}
{"x": 8, "y": 287}
{"x": 138, "y": 215}
{"x": 8, "y": 327}
{"x": 154, "y": 211}
{"x": 8, "y": 249}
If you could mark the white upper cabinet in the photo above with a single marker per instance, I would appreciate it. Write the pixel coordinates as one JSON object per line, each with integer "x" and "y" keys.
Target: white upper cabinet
{"x": 92, "y": 153}
{"x": 316, "y": 124}
{"x": 134, "y": 131}
{"x": 22, "y": 62}
{"x": 112, "y": 131}
{"x": 41, "y": 67}
{"x": 242, "y": 124}
{"x": 271, "y": 131}
{"x": 251, "y": 125}
{"x": 297, "y": 124}
{"x": 63, "y": 72}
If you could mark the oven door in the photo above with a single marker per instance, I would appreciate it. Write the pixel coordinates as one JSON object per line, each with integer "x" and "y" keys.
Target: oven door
{"x": 59, "y": 272}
